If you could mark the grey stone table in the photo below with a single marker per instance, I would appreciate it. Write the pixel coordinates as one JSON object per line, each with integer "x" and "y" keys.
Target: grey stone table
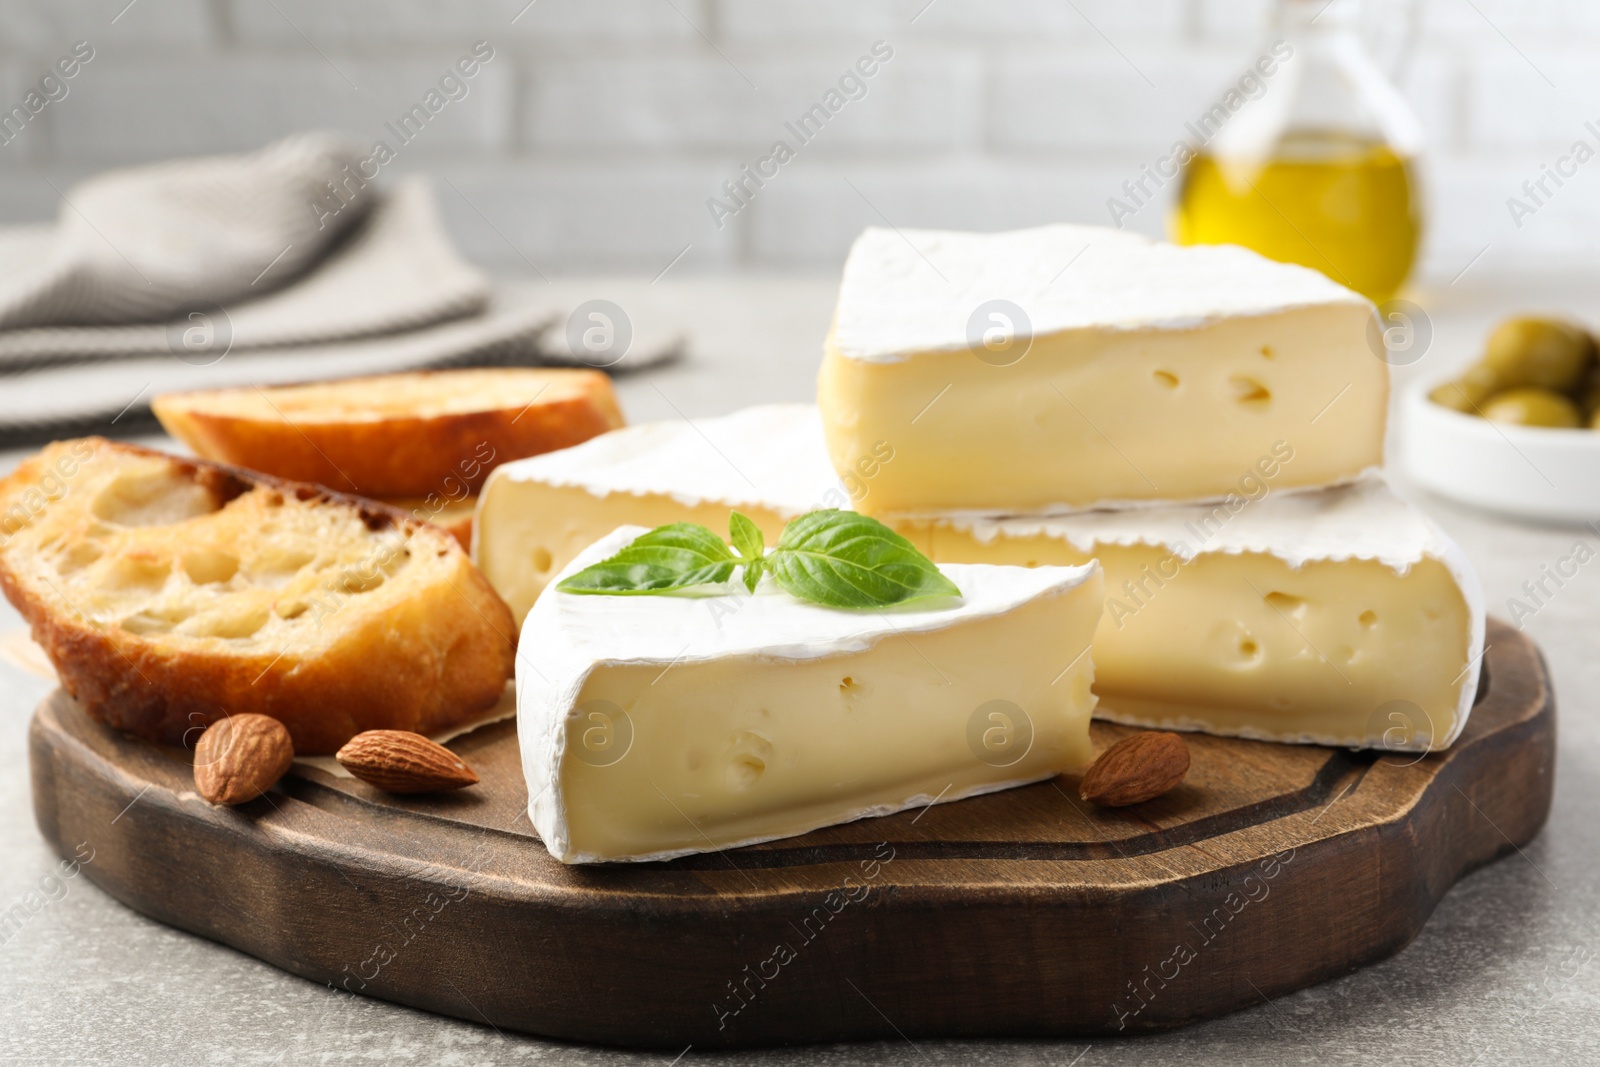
{"x": 1504, "y": 972}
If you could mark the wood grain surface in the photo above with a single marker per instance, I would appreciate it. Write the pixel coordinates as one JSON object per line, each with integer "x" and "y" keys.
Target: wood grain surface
{"x": 1022, "y": 913}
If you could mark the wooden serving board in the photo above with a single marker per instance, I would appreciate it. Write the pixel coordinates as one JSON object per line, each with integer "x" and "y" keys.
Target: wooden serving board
{"x": 1023, "y": 913}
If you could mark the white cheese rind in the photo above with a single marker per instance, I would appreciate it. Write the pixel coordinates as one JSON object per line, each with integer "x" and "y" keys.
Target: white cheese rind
{"x": 576, "y": 636}
{"x": 1366, "y": 519}
{"x": 770, "y": 454}
{"x": 911, "y": 291}
{"x": 535, "y": 514}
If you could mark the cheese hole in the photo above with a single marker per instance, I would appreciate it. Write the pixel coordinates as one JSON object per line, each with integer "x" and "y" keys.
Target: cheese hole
{"x": 1249, "y": 392}
{"x": 1230, "y": 643}
{"x": 542, "y": 560}
{"x": 1369, "y": 619}
{"x": 1347, "y": 653}
{"x": 745, "y": 771}
{"x": 1266, "y": 351}
{"x": 1166, "y": 378}
{"x": 847, "y": 686}
{"x": 1286, "y": 604}
{"x": 747, "y": 761}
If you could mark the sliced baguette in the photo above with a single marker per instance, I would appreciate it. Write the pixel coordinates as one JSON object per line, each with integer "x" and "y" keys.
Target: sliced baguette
{"x": 395, "y": 435}
{"x": 169, "y": 593}
{"x": 454, "y": 516}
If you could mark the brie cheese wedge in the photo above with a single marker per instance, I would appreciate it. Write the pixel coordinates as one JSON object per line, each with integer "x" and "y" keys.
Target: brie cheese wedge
{"x": 1339, "y": 617}
{"x": 659, "y": 726}
{"x": 1068, "y": 367}
{"x": 536, "y": 514}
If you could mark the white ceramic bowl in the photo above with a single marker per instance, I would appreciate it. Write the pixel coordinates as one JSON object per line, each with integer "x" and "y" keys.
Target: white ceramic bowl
{"x": 1534, "y": 473}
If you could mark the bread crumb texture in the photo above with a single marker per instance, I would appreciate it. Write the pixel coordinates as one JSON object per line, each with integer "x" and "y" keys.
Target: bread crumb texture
{"x": 170, "y": 593}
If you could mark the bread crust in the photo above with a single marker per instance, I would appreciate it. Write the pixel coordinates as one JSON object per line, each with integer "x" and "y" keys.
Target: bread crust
{"x": 455, "y": 516}
{"x": 425, "y": 658}
{"x": 394, "y": 453}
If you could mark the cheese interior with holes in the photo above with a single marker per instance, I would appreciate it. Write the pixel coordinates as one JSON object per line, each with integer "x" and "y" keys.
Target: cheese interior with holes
{"x": 1067, "y": 367}
{"x": 1291, "y": 616}
{"x": 1338, "y": 617}
{"x": 658, "y": 726}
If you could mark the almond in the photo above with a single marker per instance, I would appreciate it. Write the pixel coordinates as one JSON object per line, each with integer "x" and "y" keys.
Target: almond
{"x": 399, "y": 761}
{"x": 1136, "y": 769}
{"x": 238, "y": 758}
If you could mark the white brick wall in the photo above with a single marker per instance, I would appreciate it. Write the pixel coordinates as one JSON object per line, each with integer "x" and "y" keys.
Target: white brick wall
{"x": 927, "y": 102}
{"x": 125, "y": 109}
{"x": 594, "y": 137}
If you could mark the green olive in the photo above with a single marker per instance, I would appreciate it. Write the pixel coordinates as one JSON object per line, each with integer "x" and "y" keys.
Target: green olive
{"x": 1527, "y": 406}
{"x": 1589, "y": 396}
{"x": 1467, "y": 393}
{"x": 1545, "y": 353}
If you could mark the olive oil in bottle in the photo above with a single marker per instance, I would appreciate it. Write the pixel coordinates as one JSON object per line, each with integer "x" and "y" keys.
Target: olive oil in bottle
{"x": 1320, "y": 169}
{"x": 1342, "y": 204}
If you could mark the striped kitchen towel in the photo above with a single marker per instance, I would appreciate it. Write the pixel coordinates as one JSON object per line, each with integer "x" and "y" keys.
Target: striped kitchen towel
{"x": 143, "y": 244}
{"x": 277, "y": 266}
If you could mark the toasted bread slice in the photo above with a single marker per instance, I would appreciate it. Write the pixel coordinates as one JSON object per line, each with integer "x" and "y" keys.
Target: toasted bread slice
{"x": 452, "y": 515}
{"x": 170, "y": 593}
{"x": 395, "y": 435}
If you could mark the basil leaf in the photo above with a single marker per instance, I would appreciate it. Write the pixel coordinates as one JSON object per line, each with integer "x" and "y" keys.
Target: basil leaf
{"x": 845, "y": 560}
{"x": 678, "y": 556}
{"x": 751, "y": 546}
{"x": 835, "y": 558}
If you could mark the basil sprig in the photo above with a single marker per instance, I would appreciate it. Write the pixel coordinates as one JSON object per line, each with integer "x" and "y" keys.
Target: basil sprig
{"x": 835, "y": 558}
